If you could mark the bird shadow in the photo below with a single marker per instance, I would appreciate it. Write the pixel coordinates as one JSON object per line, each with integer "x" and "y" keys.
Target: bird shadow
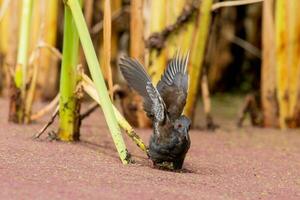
{"x": 181, "y": 171}
{"x": 202, "y": 171}
{"x": 110, "y": 151}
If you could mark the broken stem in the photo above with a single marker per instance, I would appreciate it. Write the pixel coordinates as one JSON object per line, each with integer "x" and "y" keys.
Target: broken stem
{"x": 89, "y": 88}
{"x": 89, "y": 110}
{"x": 206, "y": 102}
{"x": 46, "y": 109}
{"x": 55, "y": 113}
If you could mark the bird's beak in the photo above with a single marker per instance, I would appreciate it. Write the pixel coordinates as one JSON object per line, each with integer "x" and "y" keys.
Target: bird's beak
{"x": 186, "y": 132}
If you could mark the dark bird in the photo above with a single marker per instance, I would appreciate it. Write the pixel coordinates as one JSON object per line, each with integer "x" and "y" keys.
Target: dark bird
{"x": 164, "y": 105}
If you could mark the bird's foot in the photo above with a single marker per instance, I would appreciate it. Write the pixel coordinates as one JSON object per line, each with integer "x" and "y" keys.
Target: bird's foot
{"x": 165, "y": 165}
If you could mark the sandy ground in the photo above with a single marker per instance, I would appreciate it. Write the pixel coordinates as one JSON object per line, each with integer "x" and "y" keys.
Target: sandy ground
{"x": 230, "y": 163}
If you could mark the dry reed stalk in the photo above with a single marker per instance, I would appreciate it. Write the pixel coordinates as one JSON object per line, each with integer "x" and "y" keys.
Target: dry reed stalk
{"x": 282, "y": 67}
{"x": 107, "y": 46}
{"x": 137, "y": 46}
{"x": 200, "y": 38}
{"x": 9, "y": 43}
{"x": 268, "y": 70}
{"x": 137, "y": 50}
{"x": 294, "y": 63}
{"x": 157, "y": 59}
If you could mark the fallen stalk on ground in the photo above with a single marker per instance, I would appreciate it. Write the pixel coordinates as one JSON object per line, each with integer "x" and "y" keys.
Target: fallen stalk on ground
{"x": 89, "y": 88}
{"x": 55, "y": 113}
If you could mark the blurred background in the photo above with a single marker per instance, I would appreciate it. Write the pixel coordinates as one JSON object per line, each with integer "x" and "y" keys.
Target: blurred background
{"x": 244, "y": 54}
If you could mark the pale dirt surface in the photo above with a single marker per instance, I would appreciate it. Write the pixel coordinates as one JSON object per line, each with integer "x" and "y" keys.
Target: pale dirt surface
{"x": 231, "y": 163}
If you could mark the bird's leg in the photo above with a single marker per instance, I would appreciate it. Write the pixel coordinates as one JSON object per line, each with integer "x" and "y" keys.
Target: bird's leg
{"x": 164, "y": 165}
{"x": 178, "y": 163}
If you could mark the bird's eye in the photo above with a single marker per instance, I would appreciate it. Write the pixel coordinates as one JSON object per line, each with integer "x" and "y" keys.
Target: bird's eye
{"x": 179, "y": 125}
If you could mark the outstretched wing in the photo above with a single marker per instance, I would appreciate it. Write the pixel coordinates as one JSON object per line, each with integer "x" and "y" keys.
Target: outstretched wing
{"x": 173, "y": 85}
{"x": 139, "y": 80}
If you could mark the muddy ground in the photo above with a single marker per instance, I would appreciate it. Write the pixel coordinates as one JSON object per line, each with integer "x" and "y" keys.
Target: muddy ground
{"x": 231, "y": 163}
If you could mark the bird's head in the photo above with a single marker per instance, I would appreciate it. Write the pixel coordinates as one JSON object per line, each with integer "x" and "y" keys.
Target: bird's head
{"x": 182, "y": 125}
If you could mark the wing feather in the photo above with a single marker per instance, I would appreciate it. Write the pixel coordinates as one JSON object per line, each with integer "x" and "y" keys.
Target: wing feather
{"x": 173, "y": 85}
{"x": 137, "y": 78}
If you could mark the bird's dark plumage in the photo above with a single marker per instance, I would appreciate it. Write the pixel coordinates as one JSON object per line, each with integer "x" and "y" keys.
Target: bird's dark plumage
{"x": 173, "y": 86}
{"x": 163, "y": 105}
{"x": 173, "y": 147}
